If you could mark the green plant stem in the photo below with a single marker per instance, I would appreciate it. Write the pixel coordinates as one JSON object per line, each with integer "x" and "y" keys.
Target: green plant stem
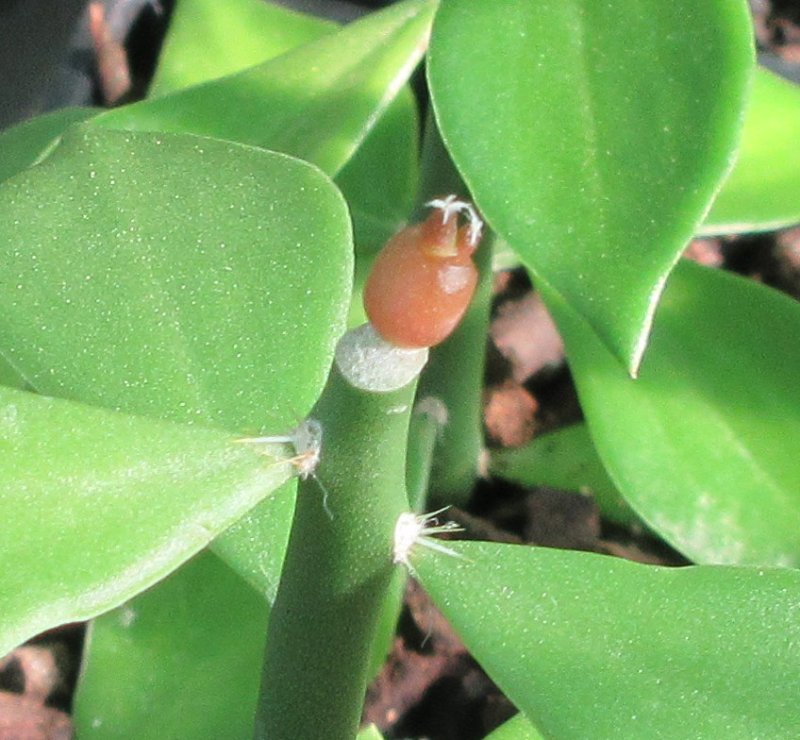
{"x": 427, "y": 419}
{"x": 455, "y": 376}
{"x": 338, "y": 570}
{"x": 455, "y": 372}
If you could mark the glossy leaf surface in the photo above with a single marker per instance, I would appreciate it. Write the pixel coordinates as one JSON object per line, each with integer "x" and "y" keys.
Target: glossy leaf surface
{"x": 255, "y": 545}
{"x": 174, "y": 277}
{"x": 516, "y": 728}
{"x": 10, "y": 377}
{"x": 22, "y": 145}
{"x": 704, "y": 444}
{"x": 379, "y": 181}
{"x": 563, "y": 459}
{"x": 180, "y": 661}
{"x": 317, "y": 102}
{"x": 642, "y": 651}
{"x": 125, "y": 287}
{"x": 98, "y": 505}
{"x": 208, "y": 39}
{"x": 762, "y": 191}
{"x": 586, "y": 155}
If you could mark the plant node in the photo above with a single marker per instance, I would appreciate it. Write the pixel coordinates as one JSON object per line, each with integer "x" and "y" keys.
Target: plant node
{"x": 370, "y": 363}
{"x": 412, "y": 529}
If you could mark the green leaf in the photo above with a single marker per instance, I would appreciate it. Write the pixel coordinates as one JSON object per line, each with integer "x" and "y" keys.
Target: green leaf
{"x": 575, "y": 125}
{"x": 763, "y": 190}
{"x": 605, "y": 648}
{"x": 23, "y": 145}
{"x": 563, "y": 459}
{"x": 248, "y": 32}
{"x": 98, "y": 505}
{"x": 370, "y": 732}
{"x": 317, "y": 102}
{"x": 380, "y": 181}
{"x": 208, "y": 39}
{"x": 516, "y": 728}
{"x": 704, "y": 445}
{"x": 175, "y": 277}
{"x": 255, "y": 545}
{"x": 9, "y": 376}
{"x": 251, "y": 32}
{"x": 180, "y": 661}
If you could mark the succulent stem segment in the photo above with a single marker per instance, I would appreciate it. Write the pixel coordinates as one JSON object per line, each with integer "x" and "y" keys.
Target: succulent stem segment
{"x": 338, "y": 571}
{"x": 455, "y": 373}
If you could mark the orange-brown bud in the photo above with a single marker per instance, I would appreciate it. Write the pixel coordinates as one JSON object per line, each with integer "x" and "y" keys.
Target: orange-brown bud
{"x": 424, "y": 278}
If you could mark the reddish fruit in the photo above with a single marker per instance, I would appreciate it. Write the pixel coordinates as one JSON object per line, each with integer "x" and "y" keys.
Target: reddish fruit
{"x": 424, "y": 278}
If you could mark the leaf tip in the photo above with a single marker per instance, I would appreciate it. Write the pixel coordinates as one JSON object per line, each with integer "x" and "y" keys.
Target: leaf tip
{"x": 642, "y": 337}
